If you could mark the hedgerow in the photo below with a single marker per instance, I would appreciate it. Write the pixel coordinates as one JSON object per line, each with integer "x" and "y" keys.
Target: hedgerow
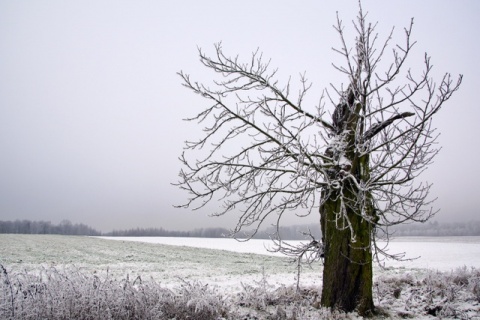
{"x": 73, "y": 293}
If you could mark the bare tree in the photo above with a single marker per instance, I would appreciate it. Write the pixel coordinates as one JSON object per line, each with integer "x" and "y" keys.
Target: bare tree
{"x": 267, "y": 153}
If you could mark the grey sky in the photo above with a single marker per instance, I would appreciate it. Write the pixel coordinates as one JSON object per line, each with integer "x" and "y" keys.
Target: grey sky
{"x": 91, "y": 107}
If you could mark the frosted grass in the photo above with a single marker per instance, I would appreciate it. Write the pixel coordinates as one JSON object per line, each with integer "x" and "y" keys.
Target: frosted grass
{"x": 159, "y": 281}
{"x": 439, "y": 253}
{"x": 163, "y": 263}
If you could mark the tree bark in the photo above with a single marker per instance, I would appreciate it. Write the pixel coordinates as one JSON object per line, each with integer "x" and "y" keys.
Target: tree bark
{"x": 347, "y": 273}
{"x": 346, "y": 216}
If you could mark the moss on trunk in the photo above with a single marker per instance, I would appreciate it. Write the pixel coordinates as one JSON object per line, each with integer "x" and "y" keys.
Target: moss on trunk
{"x": 346, "y": 217}
{"x": 347, "y": 273}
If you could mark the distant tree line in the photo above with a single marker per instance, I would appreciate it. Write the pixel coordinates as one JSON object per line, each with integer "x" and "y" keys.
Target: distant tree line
{"x": 287, "y": 233}
{"x": 296, "y": 232}
{"x": 68, "y": 228}
{"x": 427, "y": 229}
{"x": 436, "y": 229}
{"x": 46, "y": 227}
{"x": 160, "y": 232}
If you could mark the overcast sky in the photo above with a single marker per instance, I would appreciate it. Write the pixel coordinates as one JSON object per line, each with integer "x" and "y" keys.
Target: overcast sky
{"x": 91, "y": 106}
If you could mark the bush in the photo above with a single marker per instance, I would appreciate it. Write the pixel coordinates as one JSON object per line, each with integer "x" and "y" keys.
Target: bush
{"x": 72, "y": 294}
{"x": 433, "y": 293}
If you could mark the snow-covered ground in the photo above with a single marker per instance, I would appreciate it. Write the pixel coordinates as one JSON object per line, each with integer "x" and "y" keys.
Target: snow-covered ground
{"x": 438, "y": 253}
{"x": 240, "y": 269}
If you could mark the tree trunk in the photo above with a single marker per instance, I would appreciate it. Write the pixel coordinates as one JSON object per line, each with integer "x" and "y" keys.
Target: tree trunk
{"x": 347, "y": 273}
{"x": 346, "y": 217}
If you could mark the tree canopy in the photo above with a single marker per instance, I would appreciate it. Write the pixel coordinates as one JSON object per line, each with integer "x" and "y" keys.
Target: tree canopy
{"x": 354, "y": 157}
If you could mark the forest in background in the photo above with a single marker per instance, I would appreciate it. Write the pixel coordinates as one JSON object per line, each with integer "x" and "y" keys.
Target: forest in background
{"x": 65, "y": 227}
{"x": 296, "y": 232}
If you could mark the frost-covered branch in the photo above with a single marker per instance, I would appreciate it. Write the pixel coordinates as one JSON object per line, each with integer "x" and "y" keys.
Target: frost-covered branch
{"x": 265, "y": 151}
{"x": 257, "y": 157}
{"x": 384, "y": 123}
{"x": 302, "y": 253}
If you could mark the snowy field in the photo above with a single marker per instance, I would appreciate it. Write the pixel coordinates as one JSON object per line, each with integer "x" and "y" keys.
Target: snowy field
{"x": 439, "y": 253}
{"x": 242, "y": 277}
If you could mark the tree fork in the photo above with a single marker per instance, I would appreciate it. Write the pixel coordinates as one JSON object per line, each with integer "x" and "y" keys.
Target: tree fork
{"x": 346, "y": 216}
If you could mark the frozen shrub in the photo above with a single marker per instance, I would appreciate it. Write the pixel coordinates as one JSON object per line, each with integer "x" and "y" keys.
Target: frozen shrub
{"x": 195, "y": 300}
{"x": 72, "y": 294}
{"x": 263, "y": 301}
{"x": 433, "y": 293}
{"x": 461, "y": 276}
{"x": 388, "y": 287}
{"x": 257, "y": 296}
{"x": 476, "y": 290}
